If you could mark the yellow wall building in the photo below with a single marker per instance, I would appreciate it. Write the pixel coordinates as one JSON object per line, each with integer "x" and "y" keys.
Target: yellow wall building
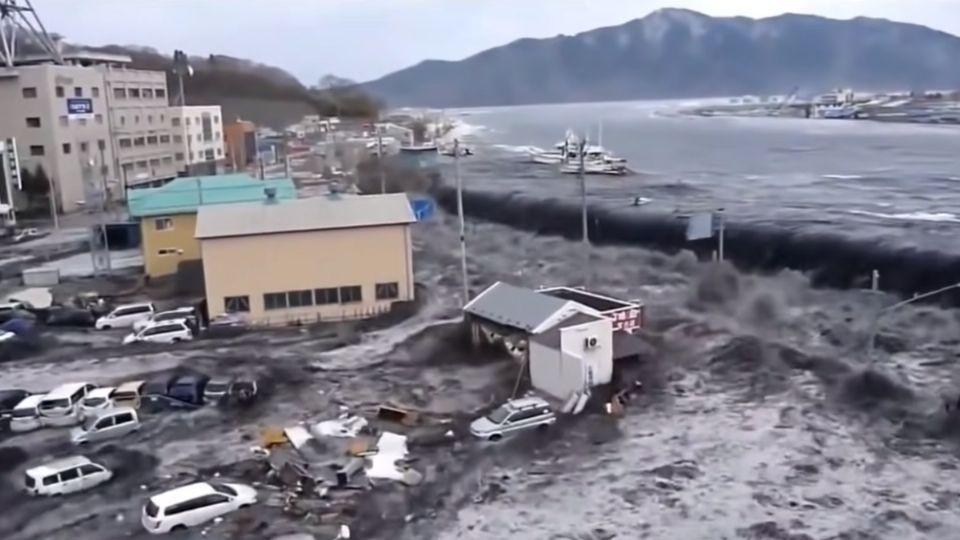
{"x": 168, "y": 214}
{"x": 306, "y": 260}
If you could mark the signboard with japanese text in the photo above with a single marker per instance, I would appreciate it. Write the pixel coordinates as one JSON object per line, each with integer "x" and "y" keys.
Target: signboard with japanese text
{"x": 627, "y": 319}
{"x": 79, "y": 107}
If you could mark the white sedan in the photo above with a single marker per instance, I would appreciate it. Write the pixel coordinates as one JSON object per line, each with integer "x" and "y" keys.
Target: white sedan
{"x": 194, "y": 504}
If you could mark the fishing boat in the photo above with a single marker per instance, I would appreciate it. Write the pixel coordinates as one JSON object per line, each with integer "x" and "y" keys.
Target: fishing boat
{"x": 596, "y": 168}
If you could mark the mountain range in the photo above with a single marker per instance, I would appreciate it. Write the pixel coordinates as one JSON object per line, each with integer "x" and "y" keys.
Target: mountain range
{"x": 677, "y": 53}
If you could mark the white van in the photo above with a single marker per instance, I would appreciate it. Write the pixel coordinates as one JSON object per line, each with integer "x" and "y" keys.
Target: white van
{"x": 64, "y": 476}
{"x": 97, "y": 400}
{"x": 125, "y": 316}
{"x": 26, "y": 415}
{"x": 109, "y": 424}
{"x": 61, "y": 407}
{"x": 194, "y": 504}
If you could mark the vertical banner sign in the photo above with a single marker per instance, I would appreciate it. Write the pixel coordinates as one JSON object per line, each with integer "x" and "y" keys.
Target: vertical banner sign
{"x": 11, "y": 163}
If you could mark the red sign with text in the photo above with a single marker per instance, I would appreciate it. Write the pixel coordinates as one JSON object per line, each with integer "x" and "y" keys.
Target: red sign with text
{"x": 627, "y": 320}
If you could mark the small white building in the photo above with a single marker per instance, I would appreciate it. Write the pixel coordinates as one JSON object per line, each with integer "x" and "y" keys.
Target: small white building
{"x": 570, "y": 347}
{"x": 198, "y": 132}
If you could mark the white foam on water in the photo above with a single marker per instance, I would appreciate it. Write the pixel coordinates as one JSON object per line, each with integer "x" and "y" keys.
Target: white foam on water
{"x": 938, "y": 217}
{"x": 521, "y": 149}
{"x": 843, "y": 176}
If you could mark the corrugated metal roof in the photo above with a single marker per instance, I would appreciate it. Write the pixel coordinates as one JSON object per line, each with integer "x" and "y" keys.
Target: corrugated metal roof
{"x": 551, "y": 336}
{"x": 312, "y": 214}
{"x": 516, "y": 307}
{"x": 184, "y": 195}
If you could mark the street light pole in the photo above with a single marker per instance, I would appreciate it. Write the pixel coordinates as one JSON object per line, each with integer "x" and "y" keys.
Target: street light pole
{"x": 875, "y": 328}
{"x": 463, "y": 241}
{"x": 720, "y": 240}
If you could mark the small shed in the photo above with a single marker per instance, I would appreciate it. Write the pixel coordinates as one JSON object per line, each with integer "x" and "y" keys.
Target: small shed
{"x": 573, "y": 356}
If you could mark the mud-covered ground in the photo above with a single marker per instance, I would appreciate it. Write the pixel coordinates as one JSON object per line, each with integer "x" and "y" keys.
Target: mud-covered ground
{"x": 759, "y": 418}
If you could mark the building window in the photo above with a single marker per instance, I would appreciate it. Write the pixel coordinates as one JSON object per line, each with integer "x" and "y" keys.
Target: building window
{"x": 81, "y": 121}
{"x": 127, "y": 168}
{"x": 168, "y": 251}
{"x": 236, "y": 304}
{"x": 123, "y": 120}
{"x": 152, "y": 139}
{"x": 64, "y": 121}
{"x": 59, "y": 91}
{"x": 154, "y": 162}
{"x": 327, "y": 296}
{"x": 175, "y": 122}
{"x": 101, "y": 145}
{"x": 216, "y": 136}
{"x": 124, "y": 143}
{"x": 84, "y": 147}
{"x": 148, "y": 93}
{"x": 134, "y": 93}
{"x": 161, "y": 93}
{"x": 179, "y": 156}
{"x": 163, "y": 118}
{"x": 37, "y": 150}
{"x": 388, "y": 291}
{"x": 219, "y": 151}
{"x": 164, "y": 139}
{"x": 351, "y": 294}
{"x": 119, "y": 93}
{"x": 33, "y": 121}
{"x": 66, "y": 148}
{"x": 163, "y": 224}
{"x": 94, "y": 91}
{"x": 138, "y": 141}
{"x": 141, "y": 164}
{"x": 300, "y": 298}
{"x": 149, "y": 118}
{"x": 274, "y": 301}
{"x": 188, "y": 120}
{"x": 168, "y": 160}
{"x": 136, "y": 119}
{"x": 216, "y": 119}
{"x": 98, "y": 118}
{"x": 77, "y": 91}
{"x": 177, "y": 139}
{"x": 29, "y": 92}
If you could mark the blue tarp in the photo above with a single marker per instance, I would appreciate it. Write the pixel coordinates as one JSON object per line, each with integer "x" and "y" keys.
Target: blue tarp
{"x": 20, "y": 327}
{"x": 422, "y": 208}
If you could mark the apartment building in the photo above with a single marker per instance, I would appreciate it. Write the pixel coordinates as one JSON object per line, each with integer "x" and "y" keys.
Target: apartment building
{"x": 198, "y": 130}
{"x": 58, "y": 115}
{"x": 142, "y": 124}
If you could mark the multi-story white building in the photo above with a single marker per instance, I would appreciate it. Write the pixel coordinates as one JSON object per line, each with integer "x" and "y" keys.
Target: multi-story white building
{"x": 141, "y": 121}
{"x": 58, "y": 116}
{"x": 198, "y": 131}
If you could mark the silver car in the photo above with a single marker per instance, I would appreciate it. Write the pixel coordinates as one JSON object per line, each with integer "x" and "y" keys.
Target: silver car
{"x": 513, "y": 416}
{"x": 109, "y": 424}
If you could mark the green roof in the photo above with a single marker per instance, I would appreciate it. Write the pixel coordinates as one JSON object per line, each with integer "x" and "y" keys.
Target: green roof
{"x": 184, "y": 195}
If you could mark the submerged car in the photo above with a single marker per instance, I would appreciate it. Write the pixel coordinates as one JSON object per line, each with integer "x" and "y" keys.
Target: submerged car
{"x": 513, "y": 416}
{"x": 65, "y": 476}
{"x": 98, "y": 399}
{"x": 194, "y": 504}
{"x": 169, "y": 331}
{"x": 229, "y": 390}
{"x": 162, "y": 316}
{"x": 125, "y": 316}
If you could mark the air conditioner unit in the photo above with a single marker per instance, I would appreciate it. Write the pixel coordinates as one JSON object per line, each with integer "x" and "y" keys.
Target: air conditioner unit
{"x": 591, "y": 342}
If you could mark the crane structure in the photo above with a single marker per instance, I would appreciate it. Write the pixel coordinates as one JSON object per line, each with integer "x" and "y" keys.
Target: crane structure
{"x": 20, "y": 24}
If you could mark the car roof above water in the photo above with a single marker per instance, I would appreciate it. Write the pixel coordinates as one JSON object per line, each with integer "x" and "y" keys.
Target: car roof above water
{"x": 527, "y": 402}
{"x": 53, "y": 467}
{"x": 182, "y": 493}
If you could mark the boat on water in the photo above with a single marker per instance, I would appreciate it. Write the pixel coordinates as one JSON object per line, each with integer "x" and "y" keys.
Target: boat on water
{"x": 596, "y": 168}
{"x": 568, "y": 151}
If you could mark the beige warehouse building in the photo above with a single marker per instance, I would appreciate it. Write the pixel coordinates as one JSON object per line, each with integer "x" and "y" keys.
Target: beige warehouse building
{"x": 307, "y": 260}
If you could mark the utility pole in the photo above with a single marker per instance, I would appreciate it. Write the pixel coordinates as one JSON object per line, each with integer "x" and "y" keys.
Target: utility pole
{"x": 52, "y": 188}
{"x": 721, "y": 234}
{"x": 463, "y": 241}
{"x": 383, "y": 176}
{"x": 583, "y": 210}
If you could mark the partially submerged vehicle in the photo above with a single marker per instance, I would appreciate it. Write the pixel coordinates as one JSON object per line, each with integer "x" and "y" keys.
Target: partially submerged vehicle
{"x": 513, "y": 416}
{"x": 65, "y": 476}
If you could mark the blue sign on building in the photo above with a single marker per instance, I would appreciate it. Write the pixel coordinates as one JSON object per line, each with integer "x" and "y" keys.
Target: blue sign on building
{"x": 79, "y": 106}
{"x": 422, "y": 208}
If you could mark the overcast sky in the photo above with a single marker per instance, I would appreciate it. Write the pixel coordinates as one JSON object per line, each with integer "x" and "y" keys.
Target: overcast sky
{"x": 364, "y": 39}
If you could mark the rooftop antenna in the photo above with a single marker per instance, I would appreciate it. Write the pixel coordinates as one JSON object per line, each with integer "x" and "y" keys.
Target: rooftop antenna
{"x": 18, "y": 16}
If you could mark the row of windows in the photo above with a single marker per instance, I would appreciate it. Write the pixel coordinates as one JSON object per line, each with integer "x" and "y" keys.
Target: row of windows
{"x": 136, "y": 119}
{"x": 30, "y": 92}
{"x": 175, "y": 122}
{"x": 144, "y": 164}
{"x": 317, "y": 297}
{"x": 149, "y": 140}
{"x": 40, "y": 150}
{"x": 140, "y": 93}
{"x": 65, "y": 120}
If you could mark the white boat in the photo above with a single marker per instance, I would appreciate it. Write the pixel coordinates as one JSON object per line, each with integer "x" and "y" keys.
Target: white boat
{"x": 596, "y": 167}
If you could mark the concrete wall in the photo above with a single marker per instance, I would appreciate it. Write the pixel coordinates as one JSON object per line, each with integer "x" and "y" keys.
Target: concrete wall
{"x": 164, "y": 250}
{"x": 63, "y": 141}
{"x": 254, "y": 265}
{"x": 598, "y": 361}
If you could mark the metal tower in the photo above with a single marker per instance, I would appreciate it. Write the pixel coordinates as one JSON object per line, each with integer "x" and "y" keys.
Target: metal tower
{"x": 19, "y": 22}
